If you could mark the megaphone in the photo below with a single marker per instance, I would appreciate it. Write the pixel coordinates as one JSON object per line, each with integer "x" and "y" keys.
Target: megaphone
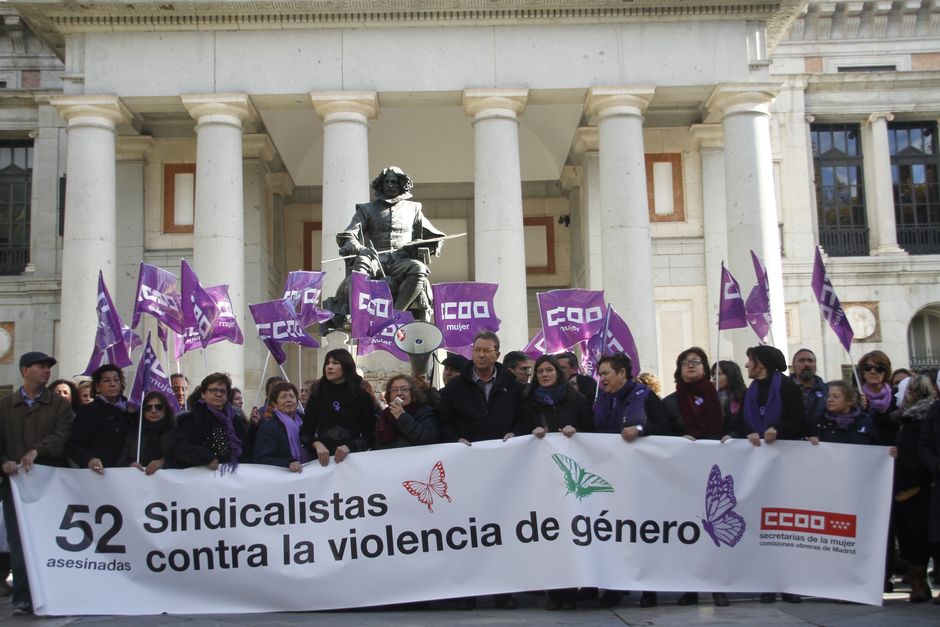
{"x": 419, "y": 340}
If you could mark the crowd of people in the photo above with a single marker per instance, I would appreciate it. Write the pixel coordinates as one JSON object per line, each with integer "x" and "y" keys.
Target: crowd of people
{"x": 60, "y": 424}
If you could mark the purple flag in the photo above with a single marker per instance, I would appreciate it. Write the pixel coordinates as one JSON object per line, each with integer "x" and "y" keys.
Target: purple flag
{"x": 536, "y": 346}
{"x": 199, "y": 309}
{"x": 151, "y": 377}
{"x": 157, "y": 295}
{"x": 731, "y": 313}
{"x": 370, "y": 305}
{"x": 226, "y": 323}
{"x": 163, "y": 336}
{"x": 461, "y": 310}
{"x": 614, "y": 337}
{"x": 757, "y": 307}
{"x": 570, "y": 316}
{"x": 303, "y": 289}
{"x": 109, "y": 337}
{"x": 384, "y": 340}
{"x": 829, "y": 305}
{"x": 223, "y": 328}
{"x": 277, "y": 322}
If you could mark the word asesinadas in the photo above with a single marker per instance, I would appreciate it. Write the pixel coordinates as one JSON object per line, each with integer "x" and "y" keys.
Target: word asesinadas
{"x": 229, "y": 513}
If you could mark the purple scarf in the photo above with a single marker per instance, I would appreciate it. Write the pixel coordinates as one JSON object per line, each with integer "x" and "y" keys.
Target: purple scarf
{"x": 226, "y": 419}
{"x": 292, "y": 426}
{"x": 844, "y": 421}
{"x": 762, "y": 417}
{"x": 120, "y": 403}
{"x": 624, "y": 408}
{"x": 878, "y": 401}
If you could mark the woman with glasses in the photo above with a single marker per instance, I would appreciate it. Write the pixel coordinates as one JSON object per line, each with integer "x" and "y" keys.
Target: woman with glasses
{"x": 155, "y": 438}
{"x": 695, "y": 413}
{"x": 210, "y": 434}
{"x": 278, "y": 441}
{"x": 877, "y": 397}
{"x": 409, "y": 419}
{"x": 101, "y": 427}
{"x": 340, "y": 415}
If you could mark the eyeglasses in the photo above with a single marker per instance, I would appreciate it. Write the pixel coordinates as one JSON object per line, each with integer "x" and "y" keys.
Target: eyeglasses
{"x": 695, "y": 363}
{"x": 154, "y": 407}
{"x": 874, "y": 368}
{"x": 218, "y": 391}
{"x": 483, "y": 351}
{"x": 399, "y": 390}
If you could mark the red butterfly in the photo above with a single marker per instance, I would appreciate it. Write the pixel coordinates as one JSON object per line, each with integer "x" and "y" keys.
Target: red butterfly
{"x": 425, "y": 491}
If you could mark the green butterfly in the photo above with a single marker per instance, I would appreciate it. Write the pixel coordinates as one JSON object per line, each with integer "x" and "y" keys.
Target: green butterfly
{"x": 580, "y": 482}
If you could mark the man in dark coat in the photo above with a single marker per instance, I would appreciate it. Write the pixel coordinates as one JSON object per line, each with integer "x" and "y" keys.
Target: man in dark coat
{"x": 483, "y": 403}
{"x": 814, "y": 389}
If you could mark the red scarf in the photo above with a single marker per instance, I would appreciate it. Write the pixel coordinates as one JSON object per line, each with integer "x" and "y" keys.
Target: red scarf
{"x": 700, "y": 408}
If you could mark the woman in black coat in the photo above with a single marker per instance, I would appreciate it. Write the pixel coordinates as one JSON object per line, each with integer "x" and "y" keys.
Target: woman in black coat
{"x": 156, "y": 438}
{"x": 278, "y": 441}
{"x": 211, "y": 434}
{"x": 551, "y": 403}
{"x": 409, "y": 419}
{"x": 100, "y": 428}
{"x": 340, "y": 415}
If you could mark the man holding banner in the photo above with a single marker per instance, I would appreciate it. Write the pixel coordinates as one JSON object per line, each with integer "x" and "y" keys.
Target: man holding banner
{"x": 34, "y": 429}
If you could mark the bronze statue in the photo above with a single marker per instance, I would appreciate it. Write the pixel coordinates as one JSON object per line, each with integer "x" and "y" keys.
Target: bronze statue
{"x": 378, "y": 243}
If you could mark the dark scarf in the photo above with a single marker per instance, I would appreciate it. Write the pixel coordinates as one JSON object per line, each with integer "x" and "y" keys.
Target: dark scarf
{"x": 226, "y": 419}
{"x": 762, "y": 417}
{"x": 550, "y": 396}
{"x": 844, "y": 421}
{"x": 878, "y": 401}
{"x": 386, "y": 429}
{"x": 700, "y": 408}
{"x": 917, "y": 411}
{"x": 292, "y": 427}
{"x": 624, "y": 408}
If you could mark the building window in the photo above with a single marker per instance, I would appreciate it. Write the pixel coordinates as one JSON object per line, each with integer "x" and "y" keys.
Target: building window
{"x": 923, "y": 338}
{"x": 16, "y": 176}
{"x": 179, "y": 197}
{"x": 840, "y": 195}
{"x": 915, "y": 163}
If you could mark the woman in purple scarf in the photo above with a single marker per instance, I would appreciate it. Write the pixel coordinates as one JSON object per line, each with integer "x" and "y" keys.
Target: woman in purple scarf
{"x": 278, "y": 442}
{"x": 844, "y": 422}
{"x": 877, "y": 397}
{"x": 211, "y": 434}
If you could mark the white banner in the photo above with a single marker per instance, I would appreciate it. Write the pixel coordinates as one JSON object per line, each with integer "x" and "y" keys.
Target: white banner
{"x": 449, "y": 520}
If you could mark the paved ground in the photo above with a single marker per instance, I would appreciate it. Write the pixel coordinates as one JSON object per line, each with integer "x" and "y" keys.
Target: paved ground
{"x": 744, "y": 610}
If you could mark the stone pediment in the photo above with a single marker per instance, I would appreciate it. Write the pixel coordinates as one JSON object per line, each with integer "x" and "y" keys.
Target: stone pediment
{"x": 53, "y": 19}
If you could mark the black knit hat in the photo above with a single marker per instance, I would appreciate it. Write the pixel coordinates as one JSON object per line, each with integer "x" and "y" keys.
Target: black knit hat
{"x": 771, "y": 358}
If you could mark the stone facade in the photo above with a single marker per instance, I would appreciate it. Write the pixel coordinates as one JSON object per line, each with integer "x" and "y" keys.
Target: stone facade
{"x": 625, "y": 148}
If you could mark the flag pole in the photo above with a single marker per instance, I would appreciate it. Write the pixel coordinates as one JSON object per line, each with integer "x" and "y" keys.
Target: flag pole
{"x": 300, "y": 364}
{"x": 140, "y": 424}
{"x": 283, "y": 372}
{"x": 264, "y": 371}
{"x": 205, "y": 360}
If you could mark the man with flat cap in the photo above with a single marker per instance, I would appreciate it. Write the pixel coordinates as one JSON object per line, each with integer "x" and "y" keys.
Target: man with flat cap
{"x": 34, "y": 428}
{"x": 773, "y": 405}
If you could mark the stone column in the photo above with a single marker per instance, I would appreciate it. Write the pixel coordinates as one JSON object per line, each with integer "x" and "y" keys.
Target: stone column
{"x": 585, "y": 145}
{"x": 625, "y": 225}
{"x": 715, "y": 221}
{"x": 89, "y": 242}
{"x": 499, "y": 250}
{"x": 132, "y": 154}
{"x": 879, "y": 189}
{"x": 219, "y": 221}
{"x": 345, "y": 116}
{"x": 744, "y": 111}
{"x": 48, "y": 140}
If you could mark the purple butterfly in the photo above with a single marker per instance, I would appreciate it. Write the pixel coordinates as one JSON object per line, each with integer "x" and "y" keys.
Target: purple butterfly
{"x": 722, "y": 524}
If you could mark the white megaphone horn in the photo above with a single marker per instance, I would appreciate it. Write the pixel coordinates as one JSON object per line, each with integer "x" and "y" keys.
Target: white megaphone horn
{"x": 419, "y": 340}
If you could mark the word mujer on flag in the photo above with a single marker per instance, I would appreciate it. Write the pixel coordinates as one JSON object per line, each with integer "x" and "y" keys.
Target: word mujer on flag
{"x": 757, "y": 306}
{"x": 570, "y": 316}
{"x": 731, "y": 313}
{"x": 829, "y": 305}
{"x": 157, "y": 295}
{"x": 277, "y": 322}
{"x": 370, "y": 305}
{"x": 461, "y": 310}
{"x": 150, "y": 377}
{"x": 384, "y": 340}
{"x": 303, "y": 288}
{"x": 110, "y": 342}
